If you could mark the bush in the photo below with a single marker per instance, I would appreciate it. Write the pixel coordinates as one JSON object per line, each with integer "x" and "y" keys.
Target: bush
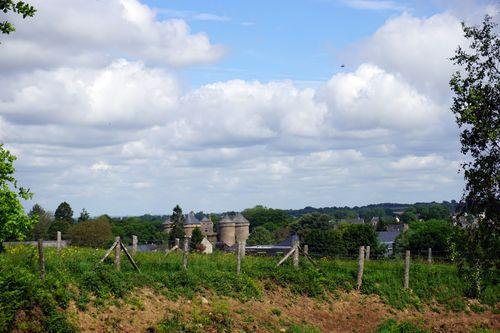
{"x": 94, "y": 233}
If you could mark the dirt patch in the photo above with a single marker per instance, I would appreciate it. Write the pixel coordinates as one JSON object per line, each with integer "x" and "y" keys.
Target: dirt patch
{"x": 277, "y": 311}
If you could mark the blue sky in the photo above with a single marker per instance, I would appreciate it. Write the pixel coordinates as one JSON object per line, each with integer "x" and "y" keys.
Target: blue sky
{"x": 224, "y": 105}
{"x": 275, "y": 40}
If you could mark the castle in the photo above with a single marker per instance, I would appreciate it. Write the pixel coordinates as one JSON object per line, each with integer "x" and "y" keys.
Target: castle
{"x": 230, "y": 229}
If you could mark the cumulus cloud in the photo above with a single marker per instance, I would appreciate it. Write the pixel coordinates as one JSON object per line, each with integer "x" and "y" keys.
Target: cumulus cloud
{"x": 418, "y": 49}
{"x": 90, "y": 33}
{"x": 374, "y": 5}
{"x": 104, "y": 123}
{"x": 123, "y": 94}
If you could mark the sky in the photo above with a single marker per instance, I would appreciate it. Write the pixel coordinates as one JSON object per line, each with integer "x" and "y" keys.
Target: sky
{"x": 128, "y": 107}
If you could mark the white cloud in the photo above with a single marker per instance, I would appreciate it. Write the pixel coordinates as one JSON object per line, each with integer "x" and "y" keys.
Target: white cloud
{"x": 100, "y": 166}
{"x": 84, "y": 32}
{"x": 374, "y": 4}
{"x": 123, "y": 94}
{"x": 95, "y": 113}
{"x": 371, "y": 98}
{"x": 427, "y": 162}
{"x": 417, "y": 48}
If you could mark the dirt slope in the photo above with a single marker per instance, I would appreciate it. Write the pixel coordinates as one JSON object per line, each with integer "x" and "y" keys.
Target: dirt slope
{"x": 277, "y": 311}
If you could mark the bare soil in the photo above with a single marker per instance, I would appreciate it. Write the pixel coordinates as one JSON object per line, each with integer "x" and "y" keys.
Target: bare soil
{"x": 347, "y": 312}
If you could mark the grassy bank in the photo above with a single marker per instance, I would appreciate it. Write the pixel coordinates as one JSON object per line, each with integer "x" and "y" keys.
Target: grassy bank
{"x": 76, "y": 274}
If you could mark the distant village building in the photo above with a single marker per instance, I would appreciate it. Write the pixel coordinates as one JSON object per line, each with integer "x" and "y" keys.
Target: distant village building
{"x": 357, "y": 220}
{"x": 374, "y": 221}
{"x": 388, "y": 238}
{"x": 208, "y": 247}
{"x": 230, "y": 229}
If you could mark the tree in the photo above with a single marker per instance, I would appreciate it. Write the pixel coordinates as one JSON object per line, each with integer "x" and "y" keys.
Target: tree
{"x": 63, "y": 219}
{"x": 196, "y": 238}
{"x": 43, "y": 220}
{"x": 271, "y": 219}
{"x": 325, "y": 242}
{"x": 94, "y": 233}
{"x": 260, "y": 236}
{"x": 84, "y": 215}
{"x": 177, "y": 219}
{"x": 409, "y": 215}
{"x": 312, "y": 221}
{"x": 64, "y": 212}
{"x": 476, "y": 105}
{"x": 19, "y": 7}
{"x": 356, "y": 235}
{"x": 422, "y": 235}
{"x": 14, "y": 222}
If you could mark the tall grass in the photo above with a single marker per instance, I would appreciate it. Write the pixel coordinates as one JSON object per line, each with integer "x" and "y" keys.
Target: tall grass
{"x": 76, "y": 274}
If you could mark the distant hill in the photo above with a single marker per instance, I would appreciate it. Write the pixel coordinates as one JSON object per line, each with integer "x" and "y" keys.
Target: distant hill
{"x": 381, "y": 209}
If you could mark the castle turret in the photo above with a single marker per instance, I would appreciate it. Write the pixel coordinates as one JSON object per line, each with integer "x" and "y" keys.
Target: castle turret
{"x": 190, "y": 223}
{"x": 227, "y": 231}
{"x": 207, "y": 226}
{"x": 242, "y": 227}
{"x": 167, "y": 225}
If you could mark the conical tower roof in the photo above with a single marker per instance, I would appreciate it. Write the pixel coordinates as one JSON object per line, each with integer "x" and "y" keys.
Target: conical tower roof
{"x": 206, "y": 219}
{"x": 191, "y": 219}
{"x": 226, "y": 219}
{"x": 240, "y": 219}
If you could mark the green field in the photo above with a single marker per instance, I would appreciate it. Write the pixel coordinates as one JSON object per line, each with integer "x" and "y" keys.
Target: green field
{"x": 76, "y": 274}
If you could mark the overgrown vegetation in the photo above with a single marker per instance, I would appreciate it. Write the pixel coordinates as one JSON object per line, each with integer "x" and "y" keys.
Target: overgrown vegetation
{"x": 75, "y": 274}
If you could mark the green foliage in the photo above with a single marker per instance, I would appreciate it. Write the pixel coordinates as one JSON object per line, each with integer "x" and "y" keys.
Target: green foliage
{"x": 476, "y": 105}
{"x": 76, "y": 274}
{"x": 392, "y": 326}
{"x": 260, "y": 236}
{"x": 14, "y": 223}
{"x": 64, "y": 212}
{"x": 84, "y": 215}
{"x": 196, "y": 238}
{"x": 147, "y": 228}
{"x": 421, "y": 235}
{"x": 63, "y": 219}
{"x": 94, "y": 233}
{"x": 304, "y": 328}
{"x": 409, "y": 215}
{"x": 325, "y": 242}
{"x": 312, "y": 221}
{"x": 27, "y": 303}
{"x": 43, "y": 220}
{"x": 271, "y": 219}
{"x": 177, "y": 219}
{"x": 19, "y": 7}
{"x": 356, "y": 235}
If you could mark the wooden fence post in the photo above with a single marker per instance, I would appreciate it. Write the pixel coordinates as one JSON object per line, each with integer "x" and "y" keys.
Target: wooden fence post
{"x": 41, "y": 259}
{"x": 134, "y": 245}
{"x": 117, "y": 253}
{"x": 58, "y": 241}
{"x": 429, "y": 256}
{"x": 238, "y": 257}
{"x": 407, "y": 270}
{"x": 243, "y": 248}
{"x": 361, "y": 265}
{"x": 185, "y": 253}
{"x": 306, "y": 249}
{"x": 296, "y": 245}
{"x": 367, "y": 254}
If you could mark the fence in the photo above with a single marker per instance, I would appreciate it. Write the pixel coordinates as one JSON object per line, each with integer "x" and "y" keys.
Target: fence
{"x": 295, "y": 252}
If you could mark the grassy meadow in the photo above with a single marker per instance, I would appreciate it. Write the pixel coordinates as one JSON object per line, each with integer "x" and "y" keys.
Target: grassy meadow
{"x": 75, "y": 275}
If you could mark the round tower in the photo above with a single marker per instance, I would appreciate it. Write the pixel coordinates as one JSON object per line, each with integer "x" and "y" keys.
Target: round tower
{"x": 190, "y": 223}
{"x": 167, "y": 225}
{"x": 242, "y": 227}
{"x": 227, "y": 231}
